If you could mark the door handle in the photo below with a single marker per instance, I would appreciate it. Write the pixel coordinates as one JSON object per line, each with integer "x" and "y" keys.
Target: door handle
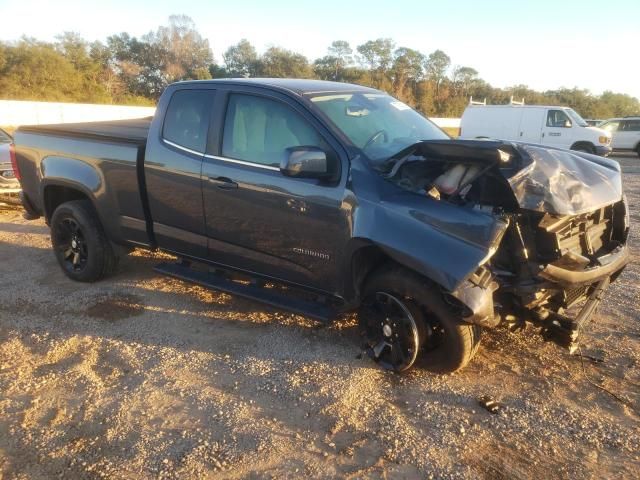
{"x": 223, "y": 183}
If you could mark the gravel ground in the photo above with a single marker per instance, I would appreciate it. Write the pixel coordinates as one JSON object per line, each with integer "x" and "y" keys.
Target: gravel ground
{"x": 142, "y": 376}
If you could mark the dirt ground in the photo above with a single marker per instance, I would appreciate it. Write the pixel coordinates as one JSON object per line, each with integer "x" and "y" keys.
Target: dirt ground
{"x": 142, "y": 376}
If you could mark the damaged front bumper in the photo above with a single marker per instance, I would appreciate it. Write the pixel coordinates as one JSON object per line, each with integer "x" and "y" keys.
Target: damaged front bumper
{"x": 568, "y": 274}
{"x": 571, "y": 273}
{"x": 564, "y": 330}
{"x": 594, "y": 281}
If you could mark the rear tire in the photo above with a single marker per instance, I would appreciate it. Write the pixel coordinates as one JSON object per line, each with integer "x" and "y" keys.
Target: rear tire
{"x": 444, "y": 343}
{"x": 79, "y": 242}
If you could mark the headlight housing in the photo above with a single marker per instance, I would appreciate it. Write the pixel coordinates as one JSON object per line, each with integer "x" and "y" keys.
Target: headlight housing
{"x": 604, "y": 139}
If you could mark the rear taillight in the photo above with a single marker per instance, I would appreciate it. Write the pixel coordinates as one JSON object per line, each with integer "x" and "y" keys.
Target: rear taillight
{"x": 14, "y": 163}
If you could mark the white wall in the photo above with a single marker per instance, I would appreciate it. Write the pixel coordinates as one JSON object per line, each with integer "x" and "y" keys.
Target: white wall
{"x": 446, "y": 122}
{"x": 15, "y": 112}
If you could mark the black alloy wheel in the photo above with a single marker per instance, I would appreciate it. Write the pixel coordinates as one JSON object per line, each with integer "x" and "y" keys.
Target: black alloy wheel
{"x": 79, "y": 242}
{"x": 393, "y": 329}
{"x": 70, "y": 241}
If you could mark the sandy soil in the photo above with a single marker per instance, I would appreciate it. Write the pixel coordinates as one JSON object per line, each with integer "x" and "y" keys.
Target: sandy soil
{"x": 141, "y": 376}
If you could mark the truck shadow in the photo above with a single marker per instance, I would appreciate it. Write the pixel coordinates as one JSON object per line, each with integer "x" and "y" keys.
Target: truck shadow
{"x": 33, "y": 228}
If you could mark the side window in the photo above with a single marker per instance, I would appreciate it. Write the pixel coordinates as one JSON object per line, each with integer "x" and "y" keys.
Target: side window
{"x": 187, "y": 119}
{"x": 611, "y": 126}
{"x": 631, "y": 126}
{"x": 259, "y": 130}
{"x": 558, "y": 119}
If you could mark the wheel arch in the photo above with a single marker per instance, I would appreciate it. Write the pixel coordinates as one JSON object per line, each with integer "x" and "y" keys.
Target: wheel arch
{"x": 57, "y": 192}
{"x": 583, "y": 143}
{"x": 367, "y": 257}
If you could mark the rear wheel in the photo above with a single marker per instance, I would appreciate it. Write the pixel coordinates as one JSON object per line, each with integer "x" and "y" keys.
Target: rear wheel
{"x": 403, "y": 317}
{"x": 79, "y": 242}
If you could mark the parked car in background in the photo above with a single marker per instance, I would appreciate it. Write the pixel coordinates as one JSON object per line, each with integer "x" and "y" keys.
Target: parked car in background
{"x": 9, "y": 185}
{"x": 625, "y": 133}
{"x": 560, "y": 127}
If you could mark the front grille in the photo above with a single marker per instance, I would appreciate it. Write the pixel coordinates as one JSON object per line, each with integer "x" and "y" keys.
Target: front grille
{"x": 586, "y": 234}
{"x": 573, "y": 296}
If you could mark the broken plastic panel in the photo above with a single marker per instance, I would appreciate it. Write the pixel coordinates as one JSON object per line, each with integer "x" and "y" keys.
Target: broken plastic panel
{"x": 565, "y": 183}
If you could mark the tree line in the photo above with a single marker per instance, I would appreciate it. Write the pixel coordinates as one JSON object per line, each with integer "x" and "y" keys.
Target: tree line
{"x": 131, "y": 70}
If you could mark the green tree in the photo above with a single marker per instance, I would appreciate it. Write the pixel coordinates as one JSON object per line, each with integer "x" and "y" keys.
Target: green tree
{"x": 241, "y": 60}
{"x": 172, "y": 53}
{"x": 187, "y": 55}
{"x": 619, "y": 104}
{"x": 33, "y": 70}
{"x": 279, "y": 62}
{"x": 407, "y": 71}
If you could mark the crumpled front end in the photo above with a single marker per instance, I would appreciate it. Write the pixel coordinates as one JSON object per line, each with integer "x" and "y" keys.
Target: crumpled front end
{"x": 566, "y": 238}
{"x": 554, "y": 269}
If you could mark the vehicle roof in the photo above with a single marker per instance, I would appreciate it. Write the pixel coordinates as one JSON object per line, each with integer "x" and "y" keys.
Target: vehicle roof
{"x": 631, "y": 117}
{"x": 298, "y": 86}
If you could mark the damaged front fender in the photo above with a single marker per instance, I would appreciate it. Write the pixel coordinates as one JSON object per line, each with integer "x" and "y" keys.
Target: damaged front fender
{"x": 444, "y": 242}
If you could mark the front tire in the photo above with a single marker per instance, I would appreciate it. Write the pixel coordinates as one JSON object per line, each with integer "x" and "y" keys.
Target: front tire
{"x": 398, "y": 301}
{"x": 79, "y": 242}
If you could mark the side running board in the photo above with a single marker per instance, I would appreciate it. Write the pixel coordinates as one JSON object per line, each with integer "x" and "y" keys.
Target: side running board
{"x": 253, "y": 291}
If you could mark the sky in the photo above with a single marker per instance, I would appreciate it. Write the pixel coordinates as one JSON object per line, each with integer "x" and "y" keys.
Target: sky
{"x": 545, "y": 44}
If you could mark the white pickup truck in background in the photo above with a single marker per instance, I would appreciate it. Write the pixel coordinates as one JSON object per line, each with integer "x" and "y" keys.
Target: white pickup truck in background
{"x": 555, "y": 126}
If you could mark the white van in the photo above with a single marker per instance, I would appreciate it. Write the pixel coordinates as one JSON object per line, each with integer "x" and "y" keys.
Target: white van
{"x": 559, "y": 127}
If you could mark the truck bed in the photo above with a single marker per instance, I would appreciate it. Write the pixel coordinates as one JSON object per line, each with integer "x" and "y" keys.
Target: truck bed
{"x": 129, "y": 131}
{"x": 105, "y": 158}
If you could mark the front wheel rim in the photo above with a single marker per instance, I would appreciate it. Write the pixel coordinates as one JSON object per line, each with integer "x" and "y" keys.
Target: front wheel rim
{"x": 391, "y": 332}
{"x": 71, "y": 245}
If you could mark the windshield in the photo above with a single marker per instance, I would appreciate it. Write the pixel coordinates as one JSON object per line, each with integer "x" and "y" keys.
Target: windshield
{"x": 378, "y": 124}
{"x": 575, "y": 116}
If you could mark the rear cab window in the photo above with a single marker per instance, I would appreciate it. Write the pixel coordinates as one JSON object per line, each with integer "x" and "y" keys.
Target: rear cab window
{"x": 187, "y": 119}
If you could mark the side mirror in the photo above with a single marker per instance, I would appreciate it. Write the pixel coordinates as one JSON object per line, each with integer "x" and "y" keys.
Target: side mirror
{"x": 567, "y": 124}
{"x": 305, "y": 162}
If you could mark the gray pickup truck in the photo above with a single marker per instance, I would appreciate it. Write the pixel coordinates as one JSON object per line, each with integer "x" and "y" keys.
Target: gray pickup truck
{"x": 324, "y": 198}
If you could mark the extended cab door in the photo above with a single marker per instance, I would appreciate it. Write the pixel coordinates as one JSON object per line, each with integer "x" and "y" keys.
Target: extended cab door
{"x": 557, "y": 130}
{"x": 259, "y": 220}
{"x": 172, "y": 169}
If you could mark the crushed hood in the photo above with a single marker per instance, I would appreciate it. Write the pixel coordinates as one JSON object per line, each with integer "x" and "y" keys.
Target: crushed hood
{"x": 544, "y": 179}
{"x": 564, "y": 182}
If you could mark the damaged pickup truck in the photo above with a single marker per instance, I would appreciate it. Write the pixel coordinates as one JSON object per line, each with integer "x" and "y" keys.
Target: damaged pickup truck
{"x": 326, "y": 198}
